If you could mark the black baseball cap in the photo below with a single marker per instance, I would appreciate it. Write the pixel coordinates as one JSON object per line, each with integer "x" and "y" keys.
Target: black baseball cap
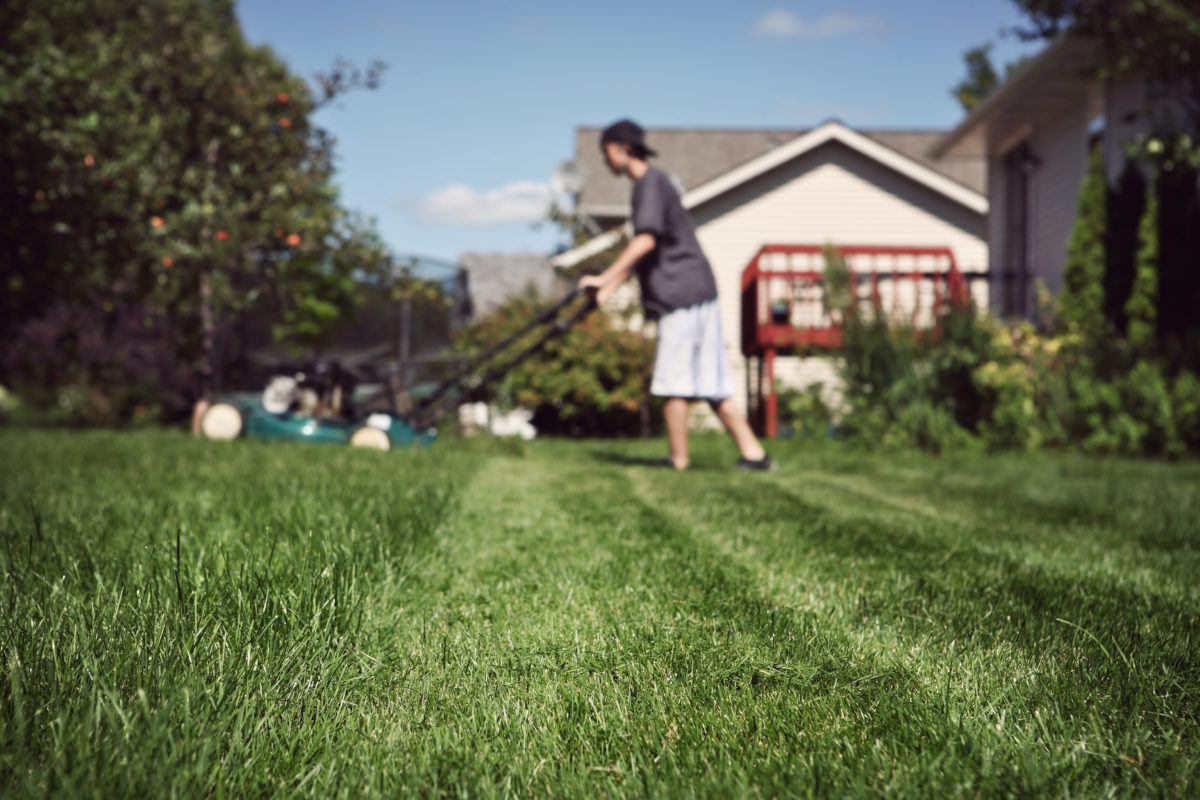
{"x": 628, "y": 132}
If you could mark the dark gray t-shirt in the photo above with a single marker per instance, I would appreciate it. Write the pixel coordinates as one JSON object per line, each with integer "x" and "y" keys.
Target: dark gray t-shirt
{"x": 675, "y": 274}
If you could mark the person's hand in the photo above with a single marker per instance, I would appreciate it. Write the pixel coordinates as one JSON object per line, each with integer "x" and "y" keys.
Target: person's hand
{"x": 598, "y": 287}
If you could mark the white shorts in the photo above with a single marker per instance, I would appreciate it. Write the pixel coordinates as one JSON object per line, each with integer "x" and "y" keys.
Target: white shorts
{"x": 689, "y": 360}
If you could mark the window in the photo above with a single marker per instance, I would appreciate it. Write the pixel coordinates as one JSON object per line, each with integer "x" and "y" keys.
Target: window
{"x": 1019, "y": 164}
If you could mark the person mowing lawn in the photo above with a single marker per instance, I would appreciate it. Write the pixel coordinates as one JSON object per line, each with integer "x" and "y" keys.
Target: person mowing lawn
{"x": 680, "y": 292}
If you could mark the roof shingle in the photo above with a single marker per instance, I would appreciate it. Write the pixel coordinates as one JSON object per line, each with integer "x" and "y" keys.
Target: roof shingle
{"x": 697, "y": 155}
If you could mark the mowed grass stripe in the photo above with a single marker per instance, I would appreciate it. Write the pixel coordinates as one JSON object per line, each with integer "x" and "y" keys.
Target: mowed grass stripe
{"x": 526, "y": 666}
{"x": 1112, "y": 562}
{"x": 839, "y": 719}
{"x": 581, "y": 648}
{"x": 511, "y": 663}
{"x": 981, "y": 623}
{"x": 496, "y": 619}
{"x": 1145, "y": 511}
{"x": 1145, "y": 532}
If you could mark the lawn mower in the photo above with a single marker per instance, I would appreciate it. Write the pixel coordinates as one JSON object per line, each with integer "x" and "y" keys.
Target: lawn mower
{"x": 328, "y": 402}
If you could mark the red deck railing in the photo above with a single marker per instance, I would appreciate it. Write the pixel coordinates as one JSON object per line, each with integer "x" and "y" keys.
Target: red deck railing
{"x": 783, "y": 299}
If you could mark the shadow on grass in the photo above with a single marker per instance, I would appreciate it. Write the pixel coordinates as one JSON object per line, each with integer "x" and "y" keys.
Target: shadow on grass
{"x": 653, "y": 463}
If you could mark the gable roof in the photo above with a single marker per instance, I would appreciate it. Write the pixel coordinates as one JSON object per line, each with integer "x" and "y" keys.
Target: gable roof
{"x": 698, "y": 155}
{"x": 1035, "y": 92}
{"x": 783, "y": 153}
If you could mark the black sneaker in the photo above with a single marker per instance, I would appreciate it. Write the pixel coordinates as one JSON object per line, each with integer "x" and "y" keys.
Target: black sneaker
{"x": 669, "y": 463}
{"x": 764, "y": 464}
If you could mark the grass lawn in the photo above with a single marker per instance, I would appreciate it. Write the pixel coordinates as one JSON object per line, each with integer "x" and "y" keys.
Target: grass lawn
{"x": 181, "y": 618}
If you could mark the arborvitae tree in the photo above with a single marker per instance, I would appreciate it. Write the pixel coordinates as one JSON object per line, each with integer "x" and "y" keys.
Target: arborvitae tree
{"x": 1126, "y": 205}
{"x": 1178, "y": 244}
{"x": 1082, "y": 301}
{"x": 1142, "y": 307}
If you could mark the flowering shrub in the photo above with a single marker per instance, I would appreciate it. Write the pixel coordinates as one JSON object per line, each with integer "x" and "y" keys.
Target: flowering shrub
{"x": 1014, "y": 383}
{"x": 1007, "y": 386}
{"x": 1048, "y": 390}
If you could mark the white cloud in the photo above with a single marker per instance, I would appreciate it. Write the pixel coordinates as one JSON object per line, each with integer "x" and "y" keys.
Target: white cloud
{"x": 781, "y": 24}
{"x": 460, "y": 205}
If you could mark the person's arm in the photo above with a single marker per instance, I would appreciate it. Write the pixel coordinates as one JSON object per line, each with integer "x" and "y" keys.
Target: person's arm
{"x": 607, "y": 282}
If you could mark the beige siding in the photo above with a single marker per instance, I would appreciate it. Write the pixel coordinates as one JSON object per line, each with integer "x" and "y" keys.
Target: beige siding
{"x": 1061, "y": 149}
{"x": 830, "y": 194}
{"x": 1000, "y": 245}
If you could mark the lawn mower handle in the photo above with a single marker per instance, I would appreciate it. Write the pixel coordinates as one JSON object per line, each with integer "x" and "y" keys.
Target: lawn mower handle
{"x": 437, "y": 403}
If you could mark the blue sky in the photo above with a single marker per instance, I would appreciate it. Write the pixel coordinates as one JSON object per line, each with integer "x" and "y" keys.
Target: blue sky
{"x": 480, "y": 100}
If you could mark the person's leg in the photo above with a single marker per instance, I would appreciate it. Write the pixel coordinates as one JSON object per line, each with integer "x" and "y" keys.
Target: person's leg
{"x": 714, "y": 381}
{"x": 675, "y": 414}
{"x": 747, "y": 443}
{"x": 674, "y": 378}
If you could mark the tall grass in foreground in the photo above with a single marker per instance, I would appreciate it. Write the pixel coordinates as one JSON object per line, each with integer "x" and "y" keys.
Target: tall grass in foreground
{"x": 184, "y": 619}
{"x": 187, "y": 619}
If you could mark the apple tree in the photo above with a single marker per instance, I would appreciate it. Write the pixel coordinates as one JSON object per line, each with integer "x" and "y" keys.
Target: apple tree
{"x": 161, "y": 168}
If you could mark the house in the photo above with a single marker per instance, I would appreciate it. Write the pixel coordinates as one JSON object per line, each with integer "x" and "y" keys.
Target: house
{"x": 748, "y": 188}
{"x": 493, "y": 278}
{"x": 695, "y": 156}
{"x": 1036, "y": 133}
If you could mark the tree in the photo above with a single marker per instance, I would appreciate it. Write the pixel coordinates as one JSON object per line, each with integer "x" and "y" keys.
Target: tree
{"x": 1158, "y": 42}
{"x": 1082, "y": 301}
{"x": 1142, "y": 307}
{"x": 1126, "y": 206}
{"x": 153, "y": 153}
{"x": 981, "y": 79}
{"x": 1155, "y": 39}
